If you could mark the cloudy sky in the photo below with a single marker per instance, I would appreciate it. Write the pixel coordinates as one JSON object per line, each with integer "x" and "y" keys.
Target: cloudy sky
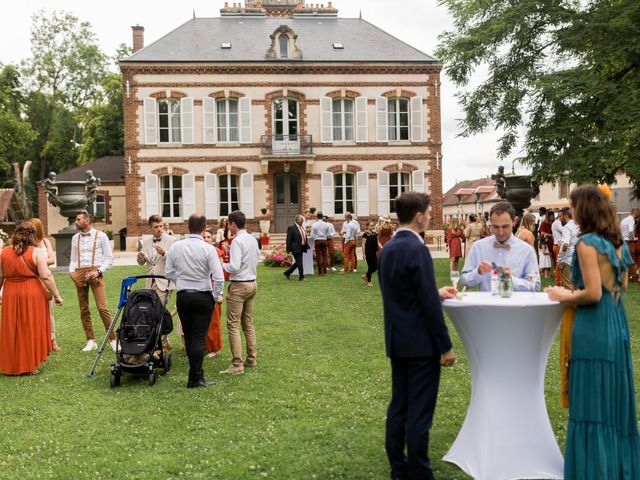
{"x": 417, "y": 22}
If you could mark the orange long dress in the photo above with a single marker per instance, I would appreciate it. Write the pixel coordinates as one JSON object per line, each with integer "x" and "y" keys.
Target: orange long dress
{"x": 25, "y": 329}
{"x": 213, "y": 340}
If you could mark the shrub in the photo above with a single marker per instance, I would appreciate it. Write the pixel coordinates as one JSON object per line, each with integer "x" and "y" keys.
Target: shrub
{"x": 278, "y": 257}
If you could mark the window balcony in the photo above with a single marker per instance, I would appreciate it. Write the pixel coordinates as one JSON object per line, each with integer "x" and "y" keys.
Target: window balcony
{"x": 286, "y": 145}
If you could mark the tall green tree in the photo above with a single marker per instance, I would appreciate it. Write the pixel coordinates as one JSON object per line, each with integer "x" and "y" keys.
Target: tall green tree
{"x": 566, "y": 72}
{"x": 65, "y": 71}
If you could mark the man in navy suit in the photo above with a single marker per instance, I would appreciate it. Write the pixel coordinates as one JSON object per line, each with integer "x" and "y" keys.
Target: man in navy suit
{"x": 297, "y": 244}
{"x": 416, "y": 337}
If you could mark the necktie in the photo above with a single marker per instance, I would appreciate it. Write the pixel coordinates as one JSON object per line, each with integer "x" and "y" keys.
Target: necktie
{"x": 304, "y": 236}
{"x": 506, "y": 246}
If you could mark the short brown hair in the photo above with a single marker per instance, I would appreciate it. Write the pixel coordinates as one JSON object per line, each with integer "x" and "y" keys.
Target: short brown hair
{"x": 155, "y": 219}
{"x": 238, "y": 218}
{"x": 85, "y": 214}
{"x": 408, "y": 204}
{"x": 197, "y": 223}
{"x": 594, "y": 213}
{"x": 503, "y": 207}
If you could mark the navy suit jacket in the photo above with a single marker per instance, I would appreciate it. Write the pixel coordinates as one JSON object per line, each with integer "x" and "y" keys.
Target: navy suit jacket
{"x": 414, "y": 324}
{"x": 294, "y": 240}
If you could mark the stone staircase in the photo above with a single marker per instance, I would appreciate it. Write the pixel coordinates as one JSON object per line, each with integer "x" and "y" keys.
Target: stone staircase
{"x": 275, "y": 239}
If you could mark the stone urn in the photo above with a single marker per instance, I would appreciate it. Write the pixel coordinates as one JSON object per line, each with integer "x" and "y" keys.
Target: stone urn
{"x": 518, "y": 190}
{"x": 71, "y": 198}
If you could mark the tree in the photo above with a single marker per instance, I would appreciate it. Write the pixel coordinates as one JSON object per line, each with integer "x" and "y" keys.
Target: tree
{"x": 65, "y": 71}
{"x": 565, "y": 71}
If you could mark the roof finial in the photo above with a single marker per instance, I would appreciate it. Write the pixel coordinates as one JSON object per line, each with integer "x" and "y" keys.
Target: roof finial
{"x": 360, "y": 14}
{"x": 194, "y": 13}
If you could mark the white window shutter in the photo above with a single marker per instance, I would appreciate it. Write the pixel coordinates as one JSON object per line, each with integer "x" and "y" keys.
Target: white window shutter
{"x": 188, "y": 195}
{"x": 382, "y": 119}
{"x": 418, "y": 181}
{"x": 211, "y": 209}
{"x": 326, "y": 120}
{"x": 417, "y": 122}
{"x": 383, "y": 193}
{"x": 328, "y": 207}
{"x": 186, "y": 119}
{"x": 362, "y": 194}
{"x": 244, "y": 107}
{"x": 150, "y": 122}
{"x": 151, "y": 195}
{"x": 362, "y": 133}
{"x": 208, "y": 121}
{"x": 246, "y": 194}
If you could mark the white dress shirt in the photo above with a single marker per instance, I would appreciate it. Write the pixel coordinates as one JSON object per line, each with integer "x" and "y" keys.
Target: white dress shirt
{"x": 321, "y": 230}
{"x": 192, "y": 263}
{"x": 556, "y": 230}
{"x": 570, "y": 234}
{"x": 332, "y": 230}
{"x": 627, "y": 228}
{"x": 520, "y": 258}
{"x": 351, "y": 230}
{"x": 243, "y": 258}
{"x": 103, "y": 258}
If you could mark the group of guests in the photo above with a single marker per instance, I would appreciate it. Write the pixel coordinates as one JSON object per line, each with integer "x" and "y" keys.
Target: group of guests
{"x": 602, "y": 435}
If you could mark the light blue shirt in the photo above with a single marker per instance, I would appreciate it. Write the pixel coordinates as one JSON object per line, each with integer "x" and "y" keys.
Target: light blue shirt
{"x": 321, "y": 230}
{"x": 243, "y": 258}
{"x": 520, "y": 258}
{"x": 192, "y": 263}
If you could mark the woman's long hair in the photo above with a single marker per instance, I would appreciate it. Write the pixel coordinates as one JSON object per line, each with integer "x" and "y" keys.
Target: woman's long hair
{"x": 23, "y": 237}
{"x": 594, "y": 213}
{"x": 39, "y": 237}
{"x": 528, "y": 222}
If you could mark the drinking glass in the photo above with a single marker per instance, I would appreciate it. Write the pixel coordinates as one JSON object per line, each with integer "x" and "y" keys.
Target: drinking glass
{"x": 533, "y": 278}
{"x": 455, "y": 278}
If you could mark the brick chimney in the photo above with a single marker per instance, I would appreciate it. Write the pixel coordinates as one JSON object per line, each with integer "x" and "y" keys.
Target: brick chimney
{"x": 138, "y": 38}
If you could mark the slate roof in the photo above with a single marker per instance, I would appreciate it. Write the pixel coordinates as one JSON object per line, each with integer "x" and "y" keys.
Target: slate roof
{"x": 467, "y": 190}
{"x": 199, "y": 39}
{"x": 109, "y": 170}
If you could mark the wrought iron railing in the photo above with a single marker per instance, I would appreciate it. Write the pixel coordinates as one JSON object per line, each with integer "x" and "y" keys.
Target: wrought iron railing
{"x": 287, "y": 144}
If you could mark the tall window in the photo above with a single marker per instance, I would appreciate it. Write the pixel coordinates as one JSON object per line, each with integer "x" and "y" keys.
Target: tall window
{"x": 100, "y": 208}
{"x": 285, "y": 117}
{"x": 344, "y": 193}
{"x": 171, "y": 196}
{"x": 284, "y": 46}
{"x": 227, "y": 120}
{"x": 563, "y": 189}
{"x": 342, "y": 119}
{"x": 169, "y": 120}
{"x": 398, "y": 119}
{"x": 398, "y": 183}
{"x": 229, "y": 195}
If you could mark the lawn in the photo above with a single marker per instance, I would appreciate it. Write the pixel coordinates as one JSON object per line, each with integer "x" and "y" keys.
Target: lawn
{"x": 314, "y": 408}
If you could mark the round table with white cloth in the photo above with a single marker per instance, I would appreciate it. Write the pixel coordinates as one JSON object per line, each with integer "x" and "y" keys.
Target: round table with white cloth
{"x": 506, "y": 434}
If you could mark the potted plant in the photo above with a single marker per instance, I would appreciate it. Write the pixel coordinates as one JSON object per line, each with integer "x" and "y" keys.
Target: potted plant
{"x": 313, "y": 210}
{"x": 265, "y": 224}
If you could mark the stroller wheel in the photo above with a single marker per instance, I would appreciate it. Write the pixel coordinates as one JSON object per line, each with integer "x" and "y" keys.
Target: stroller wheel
{"x": 153, "y": 377}
{"x": 114, "y": 380}
{"x": 167, "y": 363}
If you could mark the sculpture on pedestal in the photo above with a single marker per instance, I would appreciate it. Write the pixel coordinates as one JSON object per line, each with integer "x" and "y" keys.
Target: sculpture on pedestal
{"x": 518, "y": 190}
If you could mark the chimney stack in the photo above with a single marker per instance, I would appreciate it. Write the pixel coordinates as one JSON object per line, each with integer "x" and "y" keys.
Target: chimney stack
{"x": 138, "y": 38}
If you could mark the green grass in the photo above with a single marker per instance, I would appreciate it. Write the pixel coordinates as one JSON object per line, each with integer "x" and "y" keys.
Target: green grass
{"x": 314, "y": 408}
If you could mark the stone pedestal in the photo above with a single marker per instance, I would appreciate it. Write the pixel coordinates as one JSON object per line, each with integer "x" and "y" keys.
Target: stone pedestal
{"x": 63, "y": 247}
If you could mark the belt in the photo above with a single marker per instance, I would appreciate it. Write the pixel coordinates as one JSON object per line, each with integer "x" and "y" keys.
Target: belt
{"x": 195, "y": 291}
{"x": 242, "y": 281}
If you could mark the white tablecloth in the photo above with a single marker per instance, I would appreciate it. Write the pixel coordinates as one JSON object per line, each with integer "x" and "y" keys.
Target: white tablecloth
{"x": 506, "y": 434}
{"x": 307, "y": 261}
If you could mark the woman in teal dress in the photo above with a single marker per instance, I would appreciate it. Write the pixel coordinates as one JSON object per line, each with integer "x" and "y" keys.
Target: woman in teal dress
{"x": 602, "y": 435}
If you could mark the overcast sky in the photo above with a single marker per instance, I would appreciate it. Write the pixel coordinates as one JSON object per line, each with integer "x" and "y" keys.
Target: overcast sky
{"x": 417, "y": 22}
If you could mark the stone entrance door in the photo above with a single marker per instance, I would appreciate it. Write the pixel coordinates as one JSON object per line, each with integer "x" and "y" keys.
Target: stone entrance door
{"x": 287, "y": 190}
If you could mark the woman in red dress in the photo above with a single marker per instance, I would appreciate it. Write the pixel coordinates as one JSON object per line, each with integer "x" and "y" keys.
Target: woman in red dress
{"x": 213, "y": 340}
{"x": 25, "y": 328}
{"x": 546, "y": 235}
{"x": 455, "y": 236}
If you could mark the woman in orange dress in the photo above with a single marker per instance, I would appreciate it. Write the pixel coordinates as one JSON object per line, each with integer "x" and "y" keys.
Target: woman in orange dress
{"x": 213, "y": 340}
{"x": 25, "y": 328}
{"x": 455, "y": 236}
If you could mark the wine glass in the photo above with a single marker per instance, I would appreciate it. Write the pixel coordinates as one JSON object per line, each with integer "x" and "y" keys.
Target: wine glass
{"x": 455, "y": 278}
{"x": 533, "y": 279}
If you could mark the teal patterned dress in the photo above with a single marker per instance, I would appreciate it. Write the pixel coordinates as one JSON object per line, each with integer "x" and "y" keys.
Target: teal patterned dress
{"x": 602, "y": 436}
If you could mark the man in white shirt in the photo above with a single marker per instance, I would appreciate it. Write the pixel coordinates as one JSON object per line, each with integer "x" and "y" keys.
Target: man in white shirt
{"x": 556, "y": 231}
{"x": 628, "y": 231}
{"x": 91, "y": 257}
{"x": 153, "y": 255}
{"x": 349, "y": 232}
{"x": 320, "y": 233}
{"x": 330, "y": 245}
{"x": 192, "y": 264}
{"x": 244, "y": 256}
{"x": 570, "y": 234}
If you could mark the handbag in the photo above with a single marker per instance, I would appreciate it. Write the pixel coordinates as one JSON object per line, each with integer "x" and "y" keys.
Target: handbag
{"x": 49, "y": 294}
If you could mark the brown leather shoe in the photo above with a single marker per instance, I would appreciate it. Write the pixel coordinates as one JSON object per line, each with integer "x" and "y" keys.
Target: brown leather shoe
{"x": 233, "y": 370}
{"x": 250, "y": 364}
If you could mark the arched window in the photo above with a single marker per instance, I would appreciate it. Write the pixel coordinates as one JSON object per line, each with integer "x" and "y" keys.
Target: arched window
{"x": 284, "y": 46}
{"x": 399, "y": 182}
{"x": 171, "y": 196}
{"x": 169, "y": 120}
{"x": 343, "y": 120}
{"x": 398, "y": 119}
{"x": 228, "y": 192}
{"x": 227, "y": 119}
{"x": 344, "y": 192}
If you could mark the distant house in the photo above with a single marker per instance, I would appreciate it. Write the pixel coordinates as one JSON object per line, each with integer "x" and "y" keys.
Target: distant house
{"x": 110, "y": 207}
{"x": 469, "y": 196}
{"x": 279, "y": 105}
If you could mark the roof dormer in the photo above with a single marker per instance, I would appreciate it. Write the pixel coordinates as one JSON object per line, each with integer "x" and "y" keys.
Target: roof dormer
{"x": 283, "y": 45}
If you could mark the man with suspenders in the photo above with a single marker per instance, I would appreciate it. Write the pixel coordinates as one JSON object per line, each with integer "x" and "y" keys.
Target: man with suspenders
{"x": 90, "y": 257}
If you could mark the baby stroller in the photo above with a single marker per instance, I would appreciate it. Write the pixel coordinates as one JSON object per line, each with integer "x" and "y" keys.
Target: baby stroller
{"x": 139, "y": 347}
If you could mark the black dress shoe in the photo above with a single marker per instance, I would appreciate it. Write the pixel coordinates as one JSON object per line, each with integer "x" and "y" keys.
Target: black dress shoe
{"x": 399, "y": 476}
{"x": 200, "y": 384}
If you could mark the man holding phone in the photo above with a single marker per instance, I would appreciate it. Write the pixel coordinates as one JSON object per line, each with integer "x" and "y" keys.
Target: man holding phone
{"x": 152, "y": 253}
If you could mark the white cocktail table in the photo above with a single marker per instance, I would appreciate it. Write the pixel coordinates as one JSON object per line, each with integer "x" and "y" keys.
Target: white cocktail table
{"x": 506, "y": 434}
